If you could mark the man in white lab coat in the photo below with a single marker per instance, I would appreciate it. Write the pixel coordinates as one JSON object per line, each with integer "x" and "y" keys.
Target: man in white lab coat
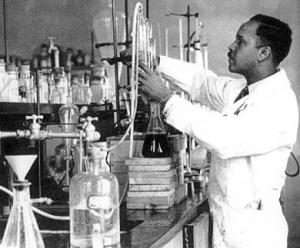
{"x": 249, "y": 131}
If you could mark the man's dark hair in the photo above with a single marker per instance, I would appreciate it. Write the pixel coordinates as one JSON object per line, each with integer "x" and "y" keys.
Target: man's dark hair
{"x": 275, "y": 34}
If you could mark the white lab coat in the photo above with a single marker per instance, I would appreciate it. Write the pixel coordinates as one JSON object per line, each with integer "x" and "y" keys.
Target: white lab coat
{"x": 250, "y": 142}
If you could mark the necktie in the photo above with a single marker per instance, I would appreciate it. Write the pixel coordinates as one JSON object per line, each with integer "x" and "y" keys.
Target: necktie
{"x": 244, "y": 92}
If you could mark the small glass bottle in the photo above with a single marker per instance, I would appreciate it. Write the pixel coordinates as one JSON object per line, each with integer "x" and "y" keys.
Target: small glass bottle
{"x": 25, "y": 83}
{"x": 43, "y": 86}
{"x": 156, "y": 143}
{"x": 79, "y": 58}
{"x": 10, "y": 92}
{"x": 98, "y": 84}
{"x": 76, "y": 90}
{"x": 86, "y": 89}
{"x": 61, "y": 83}
{"x": 3, "y": 77}
{"x": 94, "y": 204}
{"x": 22, "y": 229}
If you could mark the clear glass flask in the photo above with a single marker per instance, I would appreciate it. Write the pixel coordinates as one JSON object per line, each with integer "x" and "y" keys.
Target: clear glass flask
{"x": 156, "y": 143}
{"x": 22, "y": 229}
{"x": 94, "y": 204}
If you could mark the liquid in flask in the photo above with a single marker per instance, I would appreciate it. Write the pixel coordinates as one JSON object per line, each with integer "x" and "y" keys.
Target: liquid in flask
{"x": 156, "y": 144}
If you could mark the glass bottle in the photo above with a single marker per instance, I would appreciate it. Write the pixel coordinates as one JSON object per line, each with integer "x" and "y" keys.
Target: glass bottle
{"x": 3, "y": 77}
{"x": 22, "y": 229}
{"x": 79, "y": 58}
{"x": 98, "y": 84}
{"x": 77, "y": 90}
{"x": 156, "y": 143}
{"x": 61, "y": 83}
{"x": 25, "y": 83}
{"x": 86, "y": 89}
{"x": 94, "y": 204}
{"x": 10, "y": 92}
{"x": 43, "y": 85}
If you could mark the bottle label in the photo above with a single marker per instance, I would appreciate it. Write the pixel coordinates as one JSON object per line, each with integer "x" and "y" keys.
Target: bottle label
{"x": 99, "y": 202}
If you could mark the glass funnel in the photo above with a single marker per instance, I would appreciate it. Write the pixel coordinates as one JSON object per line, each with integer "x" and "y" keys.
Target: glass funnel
{"x": 156, "y": 143}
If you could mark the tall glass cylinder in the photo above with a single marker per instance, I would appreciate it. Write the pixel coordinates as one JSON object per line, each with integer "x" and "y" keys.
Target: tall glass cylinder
{"x": 22, "y": 229}
{"x": 94, "y": 205}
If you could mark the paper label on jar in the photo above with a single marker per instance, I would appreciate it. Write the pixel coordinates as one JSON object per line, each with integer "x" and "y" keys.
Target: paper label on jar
{"x": 99, "y": 202}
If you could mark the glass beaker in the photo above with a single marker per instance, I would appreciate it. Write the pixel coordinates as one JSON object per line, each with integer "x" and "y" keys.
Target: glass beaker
{"x": 21, "y": 228}
{"x": 156, "y": 143}
{"x": 94, "y": 204}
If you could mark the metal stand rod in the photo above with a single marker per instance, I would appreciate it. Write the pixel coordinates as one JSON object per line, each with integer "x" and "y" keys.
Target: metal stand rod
{"x": 116, "y": 64}
{"x": 147, "y": 9}
{"x": 4, "y": 31}
{"x": 38, "y": 110}
{"x": 92, "y": 47}
{"x": 127, "y": 38}
{"x": 188, "y": 33}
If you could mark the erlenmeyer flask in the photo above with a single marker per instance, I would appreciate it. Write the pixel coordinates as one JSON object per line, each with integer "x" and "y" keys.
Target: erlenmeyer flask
{"x": 156, "y": 143}
{"x": 22, "y": 229}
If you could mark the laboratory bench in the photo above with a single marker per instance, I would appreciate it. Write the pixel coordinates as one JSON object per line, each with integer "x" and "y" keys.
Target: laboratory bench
{"x": 139, "y": 228}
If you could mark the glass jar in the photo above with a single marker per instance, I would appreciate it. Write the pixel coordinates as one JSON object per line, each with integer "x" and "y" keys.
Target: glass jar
{"x": 94, "y": 204}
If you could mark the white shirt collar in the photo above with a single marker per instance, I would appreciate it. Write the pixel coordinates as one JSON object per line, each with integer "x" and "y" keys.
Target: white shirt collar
{"x": 279, "y": 77}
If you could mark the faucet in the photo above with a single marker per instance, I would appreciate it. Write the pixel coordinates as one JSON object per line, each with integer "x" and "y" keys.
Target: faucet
{"x": 35, "y": 127}
{"x": 35, "y": 133}
{"x": 89, "y": 129}
{"x": 54, "y": 48}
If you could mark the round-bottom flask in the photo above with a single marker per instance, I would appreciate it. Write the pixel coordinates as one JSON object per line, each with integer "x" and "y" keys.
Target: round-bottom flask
{"x": 156, "y": 143}
{"x": 21, "y": 228}
{"x": 94, "y": 205}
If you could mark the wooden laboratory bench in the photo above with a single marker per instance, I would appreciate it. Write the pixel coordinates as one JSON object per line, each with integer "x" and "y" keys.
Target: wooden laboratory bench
{"x": 139, "y": 228}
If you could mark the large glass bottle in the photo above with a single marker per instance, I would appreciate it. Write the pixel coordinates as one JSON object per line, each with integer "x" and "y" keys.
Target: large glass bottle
{"x": 94, "y": 204}
{"x": 156, "y": 143}
{"x": 22, "y": 229}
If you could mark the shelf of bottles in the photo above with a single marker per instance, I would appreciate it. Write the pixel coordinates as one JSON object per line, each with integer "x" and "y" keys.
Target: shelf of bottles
{"x": 56, "y": 87}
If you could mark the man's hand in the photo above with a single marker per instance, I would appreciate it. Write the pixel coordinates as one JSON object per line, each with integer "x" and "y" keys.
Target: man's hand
{"x": 152, "y": 85}
{"x": 126, "y": 56}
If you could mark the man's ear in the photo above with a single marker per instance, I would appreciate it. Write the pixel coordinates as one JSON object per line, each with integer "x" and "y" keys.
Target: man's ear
{"x": 264, "y": 53}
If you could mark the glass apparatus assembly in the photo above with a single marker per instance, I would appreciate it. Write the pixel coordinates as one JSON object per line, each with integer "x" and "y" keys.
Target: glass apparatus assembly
{"x": 156, "y": 143}
{"x": 21, "y": 228}
{"x": 94, "y": 204}
{"x": 68, "y": 116}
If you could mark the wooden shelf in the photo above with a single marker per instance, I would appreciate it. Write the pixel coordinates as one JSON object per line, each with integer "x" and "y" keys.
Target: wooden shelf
{"x": 13, "y": 108}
